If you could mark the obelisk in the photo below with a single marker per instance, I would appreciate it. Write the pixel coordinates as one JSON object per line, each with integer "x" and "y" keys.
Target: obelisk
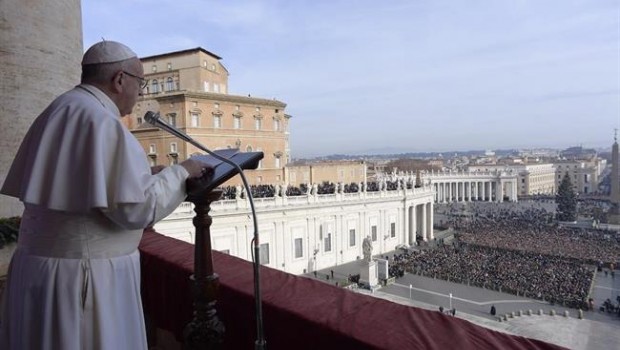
{"x": 614, "y": 214}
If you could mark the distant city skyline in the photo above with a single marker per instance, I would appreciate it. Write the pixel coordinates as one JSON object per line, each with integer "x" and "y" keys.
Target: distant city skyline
{"x": 424, "y": 76}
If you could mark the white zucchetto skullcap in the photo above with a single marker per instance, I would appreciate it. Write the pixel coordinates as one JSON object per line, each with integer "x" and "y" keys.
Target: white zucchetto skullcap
{"x": 107, "y": 52}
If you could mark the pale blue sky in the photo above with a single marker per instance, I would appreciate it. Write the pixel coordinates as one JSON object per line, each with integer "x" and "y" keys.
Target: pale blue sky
{"x": 401, "y": 75}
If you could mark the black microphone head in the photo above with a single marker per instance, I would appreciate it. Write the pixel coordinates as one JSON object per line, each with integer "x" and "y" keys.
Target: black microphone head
{"x": 151, "y": 117}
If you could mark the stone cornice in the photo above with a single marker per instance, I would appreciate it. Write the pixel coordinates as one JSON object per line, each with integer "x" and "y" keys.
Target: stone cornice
{"x": 174, "y": 95}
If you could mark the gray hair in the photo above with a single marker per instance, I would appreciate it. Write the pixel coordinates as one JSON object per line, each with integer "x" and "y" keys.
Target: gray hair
{"x": 102, "y": 72}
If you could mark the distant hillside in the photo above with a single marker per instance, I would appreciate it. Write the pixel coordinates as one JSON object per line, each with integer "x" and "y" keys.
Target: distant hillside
{"x": 388, "y": 156}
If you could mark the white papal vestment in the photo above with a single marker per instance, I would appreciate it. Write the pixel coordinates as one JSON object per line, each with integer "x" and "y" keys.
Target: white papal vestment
{"x": 74, "y": 280}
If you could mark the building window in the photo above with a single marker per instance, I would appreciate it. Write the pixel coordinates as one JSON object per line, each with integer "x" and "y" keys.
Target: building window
{"x": 216, "y": 105}
{"x": 172, "y": 119}
{"x": 276, "y": 125}
{"x": 217, "y": 121}
{"x": 194, "y": 120}
{"x": 205, "y": 86}
{"x": 258, "y": 123}
{"x": 237, "y": 122}
{"x": 264, "y": 253}
{"x": 173, "y": 147}
{"x": 169, "y": 66}
{"x": 169, "y": 84}
{"x": 299, "y": 252}
{"x": 236, "y": 107}
{"x": 152, "y": 161}
{"x": 393, "y": 229}
{"x": 174, "y": 160}
{"x": 204, "y": 63}
{"x": 139, "y": 120}
{"x": 248, "y": 148}
{"x": 154, "y": 86}
{"x": 327, "y": 244}
{"x": 213, "y": 67}
{"x": 351, "y": 237}
{"x": 373, "y": 232}
{"x": 216, "y": 87}
{"x": 277, "y": 162}
{"x": 152, "y": 149}
{"x": 258, "y": 109}
{"x": 154, "y": 68}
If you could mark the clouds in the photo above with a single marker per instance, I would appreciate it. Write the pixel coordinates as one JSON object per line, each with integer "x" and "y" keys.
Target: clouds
{"x": 415, "y": 74}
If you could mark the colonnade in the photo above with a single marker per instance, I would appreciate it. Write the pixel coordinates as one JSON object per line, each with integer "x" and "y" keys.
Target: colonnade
{"x": 464, "y": 190}
{"x": 465, "y": 186}
{"x": 419, "y": 222}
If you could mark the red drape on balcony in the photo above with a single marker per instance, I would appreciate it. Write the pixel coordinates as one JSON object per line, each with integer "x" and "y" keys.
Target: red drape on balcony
{"x": 300, "y": 313}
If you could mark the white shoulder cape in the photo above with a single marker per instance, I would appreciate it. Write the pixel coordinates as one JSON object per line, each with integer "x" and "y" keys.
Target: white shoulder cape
{"x": 77, "y": 156}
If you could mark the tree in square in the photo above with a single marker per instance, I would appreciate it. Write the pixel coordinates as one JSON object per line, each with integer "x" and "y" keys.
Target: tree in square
{"x": 566, "y": 200}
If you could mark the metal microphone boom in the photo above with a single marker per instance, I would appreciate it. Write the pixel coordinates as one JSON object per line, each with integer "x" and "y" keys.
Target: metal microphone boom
{"x": 154, "y": 119}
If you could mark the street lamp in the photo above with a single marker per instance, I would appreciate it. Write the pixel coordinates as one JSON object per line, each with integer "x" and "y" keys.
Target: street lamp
{"x": 450, "y": 301}
{"x": 410, "y": 287}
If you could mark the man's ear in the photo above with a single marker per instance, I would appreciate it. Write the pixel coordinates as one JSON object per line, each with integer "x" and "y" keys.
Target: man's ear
{"x": 118, "y": 80}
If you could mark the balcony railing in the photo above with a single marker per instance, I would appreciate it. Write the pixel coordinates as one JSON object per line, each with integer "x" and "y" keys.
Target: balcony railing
{"x": 299, "y": 313}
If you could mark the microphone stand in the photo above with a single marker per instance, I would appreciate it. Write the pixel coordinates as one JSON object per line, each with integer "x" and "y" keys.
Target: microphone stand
{"x": 155, "y": 120}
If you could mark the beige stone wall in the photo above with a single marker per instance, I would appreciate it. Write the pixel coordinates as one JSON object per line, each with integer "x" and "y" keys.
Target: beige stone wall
{"x": 584, "y": 175}
{"x": 246, "y": 123}
{"x": 41, "y": 44}
{"x": 532, "y": 178}
{"x": 540, "y": 179}
{"x": 190, "y": 69}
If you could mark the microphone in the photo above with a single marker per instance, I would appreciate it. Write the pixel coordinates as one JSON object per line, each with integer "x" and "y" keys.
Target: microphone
{"x": 154, "y": 119}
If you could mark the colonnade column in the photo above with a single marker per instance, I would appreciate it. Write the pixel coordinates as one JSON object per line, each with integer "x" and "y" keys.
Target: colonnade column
{"x": 414, "y": 222}
{"x": 500, "y": 191}
{"x": 429, "y": 220}
{"x": 468, "y": 191}
{"x": 424, "y": 233}
{"x": 515, "y": 191}
{"x": 407, "y": 229}
{"x": 443, "y": 192}
{"x": 490, "y": 190}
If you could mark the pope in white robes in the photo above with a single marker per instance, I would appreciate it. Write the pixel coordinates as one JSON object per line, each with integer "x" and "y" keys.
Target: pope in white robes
{"x": 88, "y": 192}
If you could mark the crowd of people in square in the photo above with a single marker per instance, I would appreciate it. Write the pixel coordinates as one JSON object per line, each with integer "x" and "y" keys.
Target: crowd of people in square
{"x": 517, "y": 272}
{"x": 519, "y": 250}
{"x": 533, "y": 230}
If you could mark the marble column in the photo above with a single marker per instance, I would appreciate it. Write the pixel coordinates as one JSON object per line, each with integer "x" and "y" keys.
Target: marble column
{"x": 41, "y": 54}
